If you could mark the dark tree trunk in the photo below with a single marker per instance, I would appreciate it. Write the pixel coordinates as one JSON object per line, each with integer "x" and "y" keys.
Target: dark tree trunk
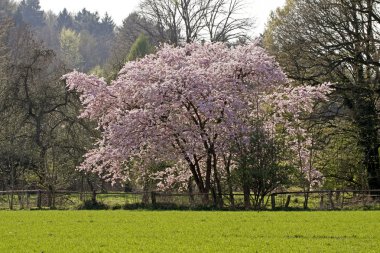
{"x": 204, "y": 189}
{"x": 214, "y": 197}
{"x": 247, "y": 197}
{"x": 13, "y": 182}
{"x": 217, "y": 182}
{"x": 372, "y": 165}
{"x": 81, "y": 187}
{"x": 51, "y": 197}
{"x": 190, "y": 190}
{"x": 230, "y": 188}
{"x": 93, "y": 191}
{"x": 306, "y": 201}
{"x": 208, "y": 172}
{"x": 367, "y": 120}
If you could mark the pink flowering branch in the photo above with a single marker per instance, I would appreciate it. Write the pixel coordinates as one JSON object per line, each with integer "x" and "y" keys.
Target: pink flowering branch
{"x": 181, "y": 104}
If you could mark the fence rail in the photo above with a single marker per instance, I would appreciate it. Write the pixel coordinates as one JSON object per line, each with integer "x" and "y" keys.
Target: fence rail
{"x": 313, "y": 200}
{"x": 326, "y": 200}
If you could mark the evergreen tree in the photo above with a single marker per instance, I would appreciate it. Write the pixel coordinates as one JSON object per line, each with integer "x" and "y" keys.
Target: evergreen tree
{"x": 107, "y": 26}
{"x": 87, "y": 20}
{"x": 29, "y": 12}
{"x": 65, "y": 20}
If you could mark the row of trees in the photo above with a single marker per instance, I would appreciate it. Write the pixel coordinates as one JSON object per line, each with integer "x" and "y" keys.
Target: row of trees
{"x": 42, "y": 140}
{"x": 212, "y": 112}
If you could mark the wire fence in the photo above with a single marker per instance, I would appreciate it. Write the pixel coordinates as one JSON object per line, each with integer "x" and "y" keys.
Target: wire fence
{"x": 313, "y": 200}
{"x": 327, "y": 200}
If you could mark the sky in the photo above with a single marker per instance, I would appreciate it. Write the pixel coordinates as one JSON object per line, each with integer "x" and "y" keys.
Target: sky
{"x": 119, "y": 9}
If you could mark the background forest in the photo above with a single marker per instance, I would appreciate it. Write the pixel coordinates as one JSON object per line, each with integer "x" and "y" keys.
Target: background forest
{"x": 42, "y": 140}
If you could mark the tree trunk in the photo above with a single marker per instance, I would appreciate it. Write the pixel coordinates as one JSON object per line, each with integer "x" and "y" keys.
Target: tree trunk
{"x": 214, "y": 197}
{"x": 372, "y": 165}
{"x": 227, "y": 165}
{"x": 145, "y": 198}
{"x": 13, "y": 180}
{"x": 81, "y": 187}
{"x": 306, "y": 200}
{"x": 219, "y": 196}
{"x": 203, "y": 189}
{"x": 93, "y": 191}
{"x": 205, "y": 198}
{"x": 368, "y": 135}
{"x": 20, "y": 200}
{"x": 51, "y": 197}
{"x": 230, "y": 191}
{"x": 247, "y": 200}
{"x": 190, "y": 190}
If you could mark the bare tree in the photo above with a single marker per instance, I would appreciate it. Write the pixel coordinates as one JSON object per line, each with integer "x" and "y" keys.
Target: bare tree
{"x": 223, "y": 22}
{"x": 164, "y": 14}
{"x": 192, "y": 20}
{"x": 40, "y": 134}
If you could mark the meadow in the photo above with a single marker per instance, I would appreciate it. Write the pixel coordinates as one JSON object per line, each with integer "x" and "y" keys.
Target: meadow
{"x": 189, "y": 231}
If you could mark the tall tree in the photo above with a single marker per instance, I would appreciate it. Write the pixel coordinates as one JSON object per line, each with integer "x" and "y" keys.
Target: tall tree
{"x": 40, "y": 133}
{"x": 341, "y": 47}
{"x": 70, "y": 41}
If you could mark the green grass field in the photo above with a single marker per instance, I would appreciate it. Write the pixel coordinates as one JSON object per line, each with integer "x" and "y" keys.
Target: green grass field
{"x": 184, "y": 231}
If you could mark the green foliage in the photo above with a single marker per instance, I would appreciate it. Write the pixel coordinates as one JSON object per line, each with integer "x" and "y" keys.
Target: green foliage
{"x": 70, "y": 41}
{"x": 133, "y": 26}
{"x": 180, "y": 231}
{"x": 340, "y": 158}
{"x": 42, "y": 141}
{"x": 89, "y": 48}
{"x": 259, "y": 164}
{"x": 98, "y": 71}
{"x": 140, "y": 48}
{"x": 310, "y": 51}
